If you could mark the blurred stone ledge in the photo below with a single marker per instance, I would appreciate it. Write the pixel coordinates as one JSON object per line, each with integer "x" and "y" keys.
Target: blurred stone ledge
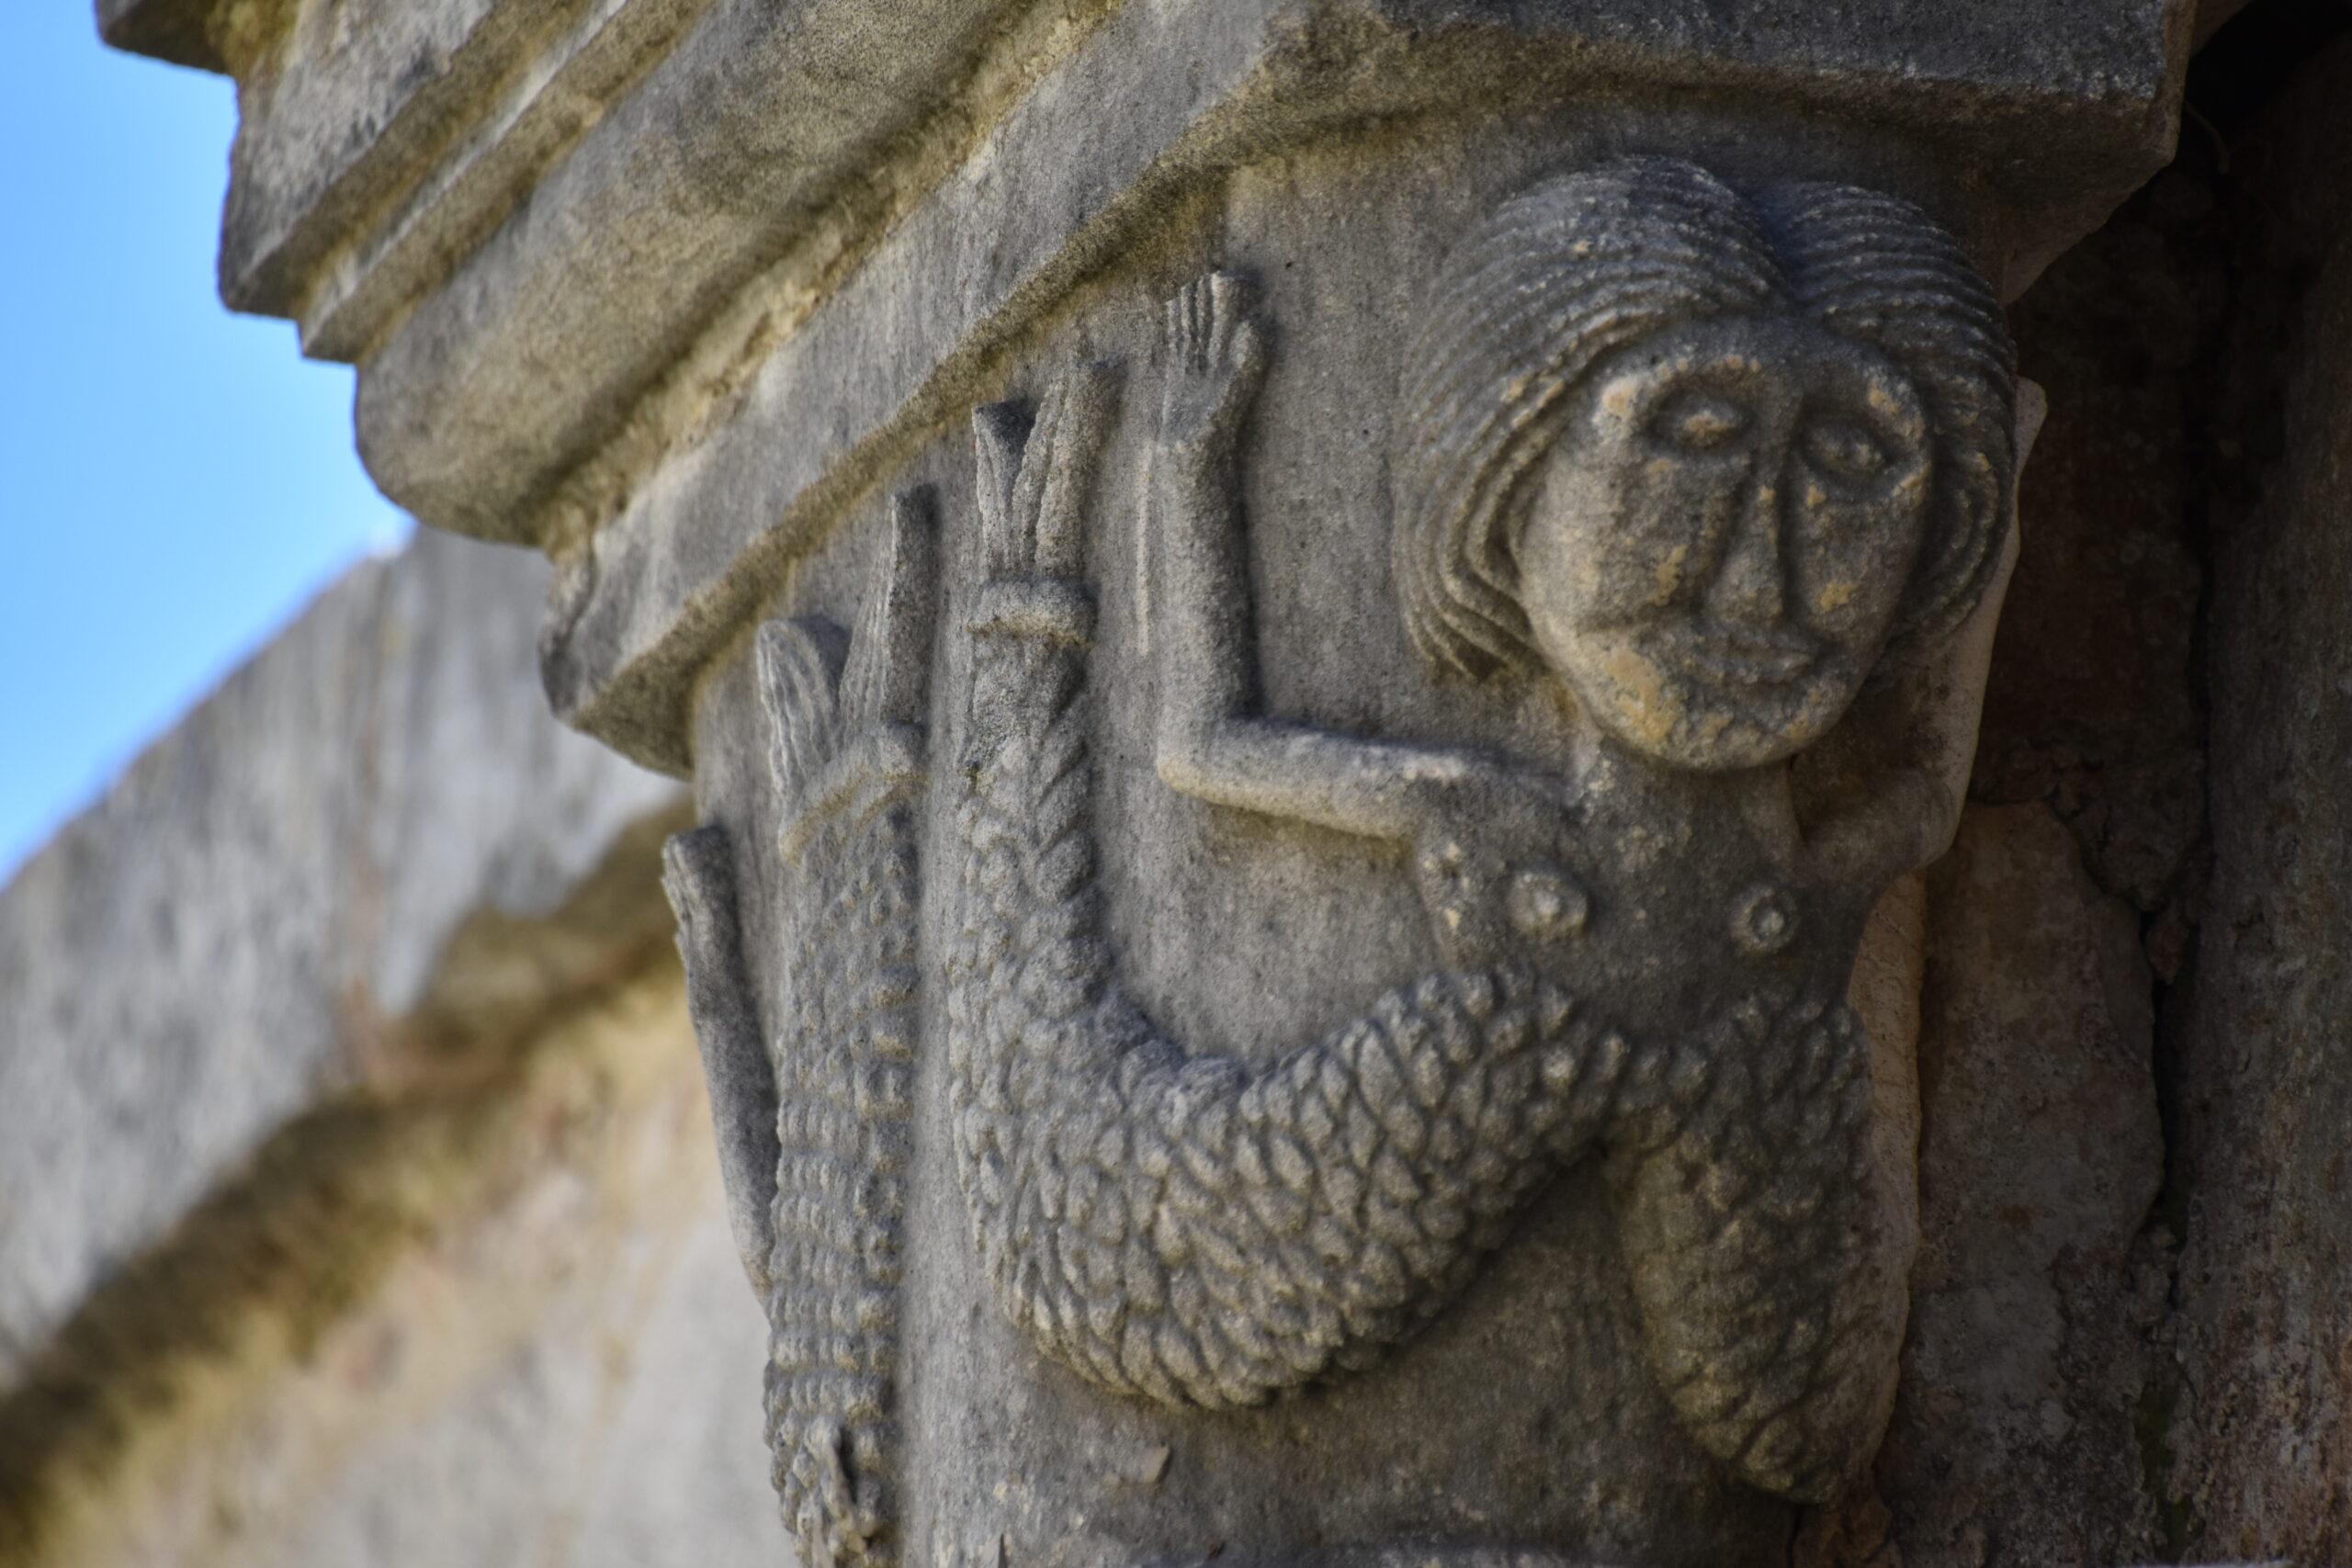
{"x": 579, "y": 247}
{"x": 351, "y": 1126}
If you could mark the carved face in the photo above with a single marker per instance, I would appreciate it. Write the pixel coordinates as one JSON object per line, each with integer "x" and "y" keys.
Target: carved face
{"x": 1715, "y": 549}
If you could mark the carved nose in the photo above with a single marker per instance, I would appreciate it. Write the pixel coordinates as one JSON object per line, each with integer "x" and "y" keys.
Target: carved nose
{"x": 1748, "y": 589}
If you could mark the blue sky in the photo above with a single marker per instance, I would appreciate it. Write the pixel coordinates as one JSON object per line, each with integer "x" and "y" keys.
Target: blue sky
{"x": 179, "y": 482}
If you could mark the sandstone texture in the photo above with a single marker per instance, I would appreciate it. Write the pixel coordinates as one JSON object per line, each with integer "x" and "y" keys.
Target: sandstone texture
{"x": 2165, "y": 684}
{"x": 2262, "y": 1438}
{"x": 265, "y": 911}
{"x": 356, "y": 1196}
{"x": 986, "y": 246}
{"x": 2041, "y": 1155}
{"x": 565, "y": 240}
{"x": 1367, "y": 886}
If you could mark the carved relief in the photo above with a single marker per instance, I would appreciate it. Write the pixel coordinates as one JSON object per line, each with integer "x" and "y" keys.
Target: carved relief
{"x": 1726, "y": 471}
{"x": 848, "y": 767}
{"x": 1171, "y": 1225}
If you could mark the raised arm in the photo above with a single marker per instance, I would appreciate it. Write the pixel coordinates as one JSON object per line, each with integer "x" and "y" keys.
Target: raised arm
{"x": 1212, "y": 743}
{"x": 1179, "y": 1224}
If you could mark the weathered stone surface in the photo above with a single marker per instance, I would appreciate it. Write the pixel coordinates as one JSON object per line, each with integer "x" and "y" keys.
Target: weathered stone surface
{"x": 894, "y": 193}
{"x": 312, "y": 884}
{"x": 673, "y": 206}
{"x": 177, "y": 30}
{"x": 539, "y": 347}
{"x": 544, "y": 1366}
{"x": 2015, "y": 1439}
{"x": 2261, "y": 1442}
{"x": 1216, "y": 789}
{"x": 2092, "y": 706}
{"x": 1039, "y": 971}
{"x": 383, "y": 142}
{"x": 918, "y": 332}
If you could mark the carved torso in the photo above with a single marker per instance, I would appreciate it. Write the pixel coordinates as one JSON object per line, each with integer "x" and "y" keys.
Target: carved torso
{"x": 1713, "y": 504}
{"x": 1658, "y": 891}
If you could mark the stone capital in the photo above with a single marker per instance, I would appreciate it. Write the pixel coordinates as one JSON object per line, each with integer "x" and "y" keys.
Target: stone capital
{"x": 1312, "y": 636}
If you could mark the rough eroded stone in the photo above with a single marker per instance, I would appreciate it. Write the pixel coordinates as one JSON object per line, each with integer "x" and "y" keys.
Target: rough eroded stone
{"x": 1056, "y": 193}
{"x": 262, "y": 913}
{"x": 2092, "y": 705}
{"x": 545, "y": 1366}
{"x": 2014, "y": 1443}
{"x": 2262, "y": 1441}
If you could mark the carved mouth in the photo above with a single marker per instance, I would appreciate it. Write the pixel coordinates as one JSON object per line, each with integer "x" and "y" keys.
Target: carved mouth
{"x": 1739, "y": 656}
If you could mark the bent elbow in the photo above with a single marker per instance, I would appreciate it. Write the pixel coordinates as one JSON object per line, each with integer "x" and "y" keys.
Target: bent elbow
{"x": 1182, "y": 757}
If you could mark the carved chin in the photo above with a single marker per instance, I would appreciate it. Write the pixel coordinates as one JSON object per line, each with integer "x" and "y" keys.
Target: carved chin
{"x": 1683, "y": 722}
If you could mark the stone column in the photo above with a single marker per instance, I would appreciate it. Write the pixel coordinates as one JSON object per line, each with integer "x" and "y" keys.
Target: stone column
{"x": 1306, "y": 634}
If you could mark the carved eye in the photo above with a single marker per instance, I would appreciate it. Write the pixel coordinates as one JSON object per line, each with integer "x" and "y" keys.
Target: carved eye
{"x": 1844, "y": 450}
{"x": 1700, "y": 423}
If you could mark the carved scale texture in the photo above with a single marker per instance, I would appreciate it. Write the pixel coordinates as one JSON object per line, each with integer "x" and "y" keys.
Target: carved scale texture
{"x": 845, "y": 1066}
{"x": 1178, "y": 1227}
{"x": 1750, "y": 1222}
{"x": 1173, "y": 1225}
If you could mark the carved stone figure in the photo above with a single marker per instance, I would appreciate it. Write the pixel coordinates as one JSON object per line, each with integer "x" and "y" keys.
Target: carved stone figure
{"x": 1722, "y": 470}
{"x": 814, "y": 1131}
{"x": 1724, "y": 473}
{"x": 1322, "y": 1026}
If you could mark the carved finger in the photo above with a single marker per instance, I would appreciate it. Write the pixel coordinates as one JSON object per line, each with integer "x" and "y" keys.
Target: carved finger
{"x": 1171, "y": 332}
{"x": 1086, "y": 398}
{"x": 776, "y": 655}
{"x": 798, "y": 686}
{"x": 1229, "y": 302}
{"x": 1181, "y": 358}
{"x": 1036, "y": 458}
{"x": 1250, "y": 350}
{"x": 1195, "y": 344}
{"x": 1196, "y": 295}
{"x": 889, "y": 663}
{"x": 1244, "y": 368}
{"x": 1000, "y": 431}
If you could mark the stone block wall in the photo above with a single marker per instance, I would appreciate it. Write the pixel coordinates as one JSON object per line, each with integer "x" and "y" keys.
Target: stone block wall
{"x": 2134, "y": 1060}
{"x": 2260, "y": 1436}
{"x": 356, "y": 1196}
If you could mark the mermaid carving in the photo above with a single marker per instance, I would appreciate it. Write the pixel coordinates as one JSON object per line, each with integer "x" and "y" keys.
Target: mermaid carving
{"x": 813, "y": 1122}
{"x": 1732, "y": 472}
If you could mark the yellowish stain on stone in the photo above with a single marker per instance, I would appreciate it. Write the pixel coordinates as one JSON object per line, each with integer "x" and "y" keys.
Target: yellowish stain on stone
{"x": 494, "y": 1199}
{"x": 1667, "y": 573}
{"x": 1642, "y": 704}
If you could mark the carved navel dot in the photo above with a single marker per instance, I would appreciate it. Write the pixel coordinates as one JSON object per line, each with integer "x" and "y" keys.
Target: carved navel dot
{"x": 1548, "y": 904}
{"x": 1763, "y": 921}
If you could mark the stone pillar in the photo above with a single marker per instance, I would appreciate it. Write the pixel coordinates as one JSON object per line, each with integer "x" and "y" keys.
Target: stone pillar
{"x": 1307, "y": 632}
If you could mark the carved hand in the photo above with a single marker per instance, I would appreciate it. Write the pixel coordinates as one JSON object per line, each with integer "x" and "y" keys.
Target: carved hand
{"x": 1174, "y": 1224}
{"x": 1216, "y": 348}
{"x": 1213, "y": 742}
{"x": 1034, "y": 474}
